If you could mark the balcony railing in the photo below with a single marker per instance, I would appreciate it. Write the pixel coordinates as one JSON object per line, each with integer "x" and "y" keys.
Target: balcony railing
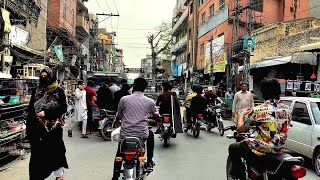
{"x": 83, "y": 24}
{"x": 180, "y": 21}
{"x": 214, "y": 21}
{"x": 180, "y": 44}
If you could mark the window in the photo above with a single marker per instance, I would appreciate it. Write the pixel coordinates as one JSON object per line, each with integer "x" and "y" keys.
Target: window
{"x": 202, "y": 49}
{"x": 211, "y": 10}
{"x": 73, "y": 18}
{"x": 300, "y": 113}
{"x": 257, "y": 5}
{"x": 222, "y": 34}
{"x": 221, "y": 4}
{"x": 201, "y": 2}
{"x": 203, "y": 18}
{"x": 315, "y": 107}
{"x": 286, "y": 102}
{"x": 65, "y": 9}
{"x": 191, "y": 8}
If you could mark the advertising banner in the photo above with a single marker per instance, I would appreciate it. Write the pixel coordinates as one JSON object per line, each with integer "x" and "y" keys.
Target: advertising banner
{"x": 6, "y": 19}
{"x": 218, "y": 56}
{"x": 59, "y": 53}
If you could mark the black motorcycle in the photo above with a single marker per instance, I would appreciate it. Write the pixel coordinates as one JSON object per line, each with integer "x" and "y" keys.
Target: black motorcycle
{"x": 276, "y": 166}
{"x": 167, "y": 130}
{"x": 196, "y": 124}
{"x": 133, "y": 156}
{"x": 214, "y": 118}
{"x": 106, "y": 124}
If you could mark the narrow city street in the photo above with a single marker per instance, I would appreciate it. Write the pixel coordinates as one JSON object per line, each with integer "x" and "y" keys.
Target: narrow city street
{"x": 186, "y": 158}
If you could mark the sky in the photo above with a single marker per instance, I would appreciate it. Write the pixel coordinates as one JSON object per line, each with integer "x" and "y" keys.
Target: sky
{"x": 137, "y": 19}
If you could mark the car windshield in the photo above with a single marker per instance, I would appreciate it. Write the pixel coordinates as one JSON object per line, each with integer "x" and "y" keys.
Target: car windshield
{"x": 315, "y": 106}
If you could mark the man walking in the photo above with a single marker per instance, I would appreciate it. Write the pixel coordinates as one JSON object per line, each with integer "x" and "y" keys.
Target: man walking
{"x": 242, "y": 100}
{"x": 114, "y": 87}
{"x": 91, "y": 97}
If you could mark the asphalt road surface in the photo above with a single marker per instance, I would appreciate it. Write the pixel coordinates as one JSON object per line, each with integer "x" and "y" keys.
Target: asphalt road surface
{"x": 186, "y": 158}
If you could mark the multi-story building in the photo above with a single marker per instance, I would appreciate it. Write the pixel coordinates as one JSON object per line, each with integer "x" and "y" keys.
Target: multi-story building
{"x": 179, "y": 35}
{"x": 106, "y": 50}
{"x": 25, "y": 36}
{"x": 93, "y": 25}
{"x": 146, "y": 63}
{"x": 119, "y": 65}
{"x": 61, "y": 30}
{"x": 216, "y": 17}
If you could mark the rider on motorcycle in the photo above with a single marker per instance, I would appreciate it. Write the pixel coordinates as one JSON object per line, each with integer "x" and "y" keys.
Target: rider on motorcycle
{"x": 187, "y": 104}
{"x": 164, "y": 101}
{"x": 198, "y": 103}
{"x": 271, "y": 120}
{"x": 133, "y": 112}
{"x": 211, "y": 97}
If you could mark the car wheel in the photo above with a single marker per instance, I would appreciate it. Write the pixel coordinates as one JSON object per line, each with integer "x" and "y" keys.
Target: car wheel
{"x": 317, "y": 162}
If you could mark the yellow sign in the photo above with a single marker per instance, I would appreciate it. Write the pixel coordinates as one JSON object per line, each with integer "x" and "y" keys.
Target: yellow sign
{"x": 219, "y": 64}
{"x": 6, "y": 19}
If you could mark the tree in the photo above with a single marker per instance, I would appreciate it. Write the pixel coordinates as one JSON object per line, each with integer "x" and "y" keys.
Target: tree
{"x": 160, "y": 42}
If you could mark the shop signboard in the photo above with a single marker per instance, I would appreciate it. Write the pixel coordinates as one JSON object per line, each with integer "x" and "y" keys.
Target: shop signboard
{"x": 296, "y": 86}
{"x": 219, "y": 56}
{"x": 316, "y": 87}
{"x": 308, "y": 86}
{"x": 290, "y": 85}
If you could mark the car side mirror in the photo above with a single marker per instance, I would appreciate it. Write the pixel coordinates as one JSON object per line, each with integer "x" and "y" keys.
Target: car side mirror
{"x": 306, "y": 120}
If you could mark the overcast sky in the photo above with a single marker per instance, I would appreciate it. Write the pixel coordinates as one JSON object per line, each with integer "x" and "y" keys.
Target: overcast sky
{"x": 137, "y": 19}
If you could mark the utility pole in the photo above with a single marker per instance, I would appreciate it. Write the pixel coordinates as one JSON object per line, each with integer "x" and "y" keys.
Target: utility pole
{"x": 247, "y": 53}
{"x": 233, "y": 66}
{"x": 211, "y": 59}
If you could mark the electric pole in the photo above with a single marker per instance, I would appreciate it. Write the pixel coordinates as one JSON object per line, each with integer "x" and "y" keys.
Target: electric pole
{"x": 247, "y": 52}
{"x": 211, "y": 60}
{"x": 233, "y": 66}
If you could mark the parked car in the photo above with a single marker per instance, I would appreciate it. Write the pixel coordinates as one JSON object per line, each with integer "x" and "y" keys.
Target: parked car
{"x": 304, "y": 135}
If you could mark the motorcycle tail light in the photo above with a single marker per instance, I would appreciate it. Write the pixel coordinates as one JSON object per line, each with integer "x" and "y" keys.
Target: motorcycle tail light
{"x": 166, "y": 119}
{"x": 298, "y": 172}
{"x": 200, "y": 116}
{"x": 129, "y": 155}
{"x": 118, "y": 159}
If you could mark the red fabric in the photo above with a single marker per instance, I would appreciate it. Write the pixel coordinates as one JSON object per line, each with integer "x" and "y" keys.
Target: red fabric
{"x": 90, "y": 93}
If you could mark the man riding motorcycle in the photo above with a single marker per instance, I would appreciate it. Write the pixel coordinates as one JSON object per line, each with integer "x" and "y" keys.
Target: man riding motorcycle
{"x": 271, "y": 120}
{"x": 187, "y": 104}
{"x": 133, "y": 112}
{"x": 164, "y": 101}
{"x": 198, "y": 103}
{"x": 211, "y": 97}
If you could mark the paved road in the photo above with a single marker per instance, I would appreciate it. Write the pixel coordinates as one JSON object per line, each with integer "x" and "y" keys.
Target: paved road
{"x": 186, "y": 158}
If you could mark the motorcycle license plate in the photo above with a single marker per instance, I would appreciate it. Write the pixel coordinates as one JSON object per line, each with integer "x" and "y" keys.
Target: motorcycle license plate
{"x": 218, "y": 110}
{"x": 166, "y": 124}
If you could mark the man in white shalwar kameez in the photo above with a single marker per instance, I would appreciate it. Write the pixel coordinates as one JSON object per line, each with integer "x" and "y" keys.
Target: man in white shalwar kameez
{"x": 80, "y": 108}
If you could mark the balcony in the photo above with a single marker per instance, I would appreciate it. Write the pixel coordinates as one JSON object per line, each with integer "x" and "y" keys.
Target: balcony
{"x": 182, "y": 18}
{"x": 83, "y": 24}
{"x": 180, "y": 46}
{"x": 214, "y": 21}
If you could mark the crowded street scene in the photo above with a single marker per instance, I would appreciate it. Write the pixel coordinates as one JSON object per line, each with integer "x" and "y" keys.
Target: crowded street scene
{"x": 160, "y": 90}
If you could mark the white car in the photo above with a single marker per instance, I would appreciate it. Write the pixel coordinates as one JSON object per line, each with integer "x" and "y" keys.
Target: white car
{"x": 304, "y": 135}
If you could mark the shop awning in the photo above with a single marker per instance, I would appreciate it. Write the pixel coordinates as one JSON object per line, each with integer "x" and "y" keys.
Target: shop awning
{"x": 271, "y": 62}
{"x": 300, "y": 58}
{"x": 314, "y": 47}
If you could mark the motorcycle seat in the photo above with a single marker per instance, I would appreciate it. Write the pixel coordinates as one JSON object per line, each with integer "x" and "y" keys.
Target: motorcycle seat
{"x": 110, "y": 112}
{"x": 281, "y": 162}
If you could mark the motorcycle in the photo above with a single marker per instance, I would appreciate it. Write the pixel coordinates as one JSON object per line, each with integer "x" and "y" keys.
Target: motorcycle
{"x": 106, "y": 124}
{"x": 279, "y": 166}
{"x": 167, "y": 130}
{"x": 214, "y": 114}
{"x": 195, "y": 127}
{"x": 133, "y": 154}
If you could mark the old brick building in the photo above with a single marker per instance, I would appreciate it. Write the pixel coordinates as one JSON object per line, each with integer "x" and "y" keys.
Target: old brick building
{"x": 27, "y": 36}
{"x": 215, "y": 20}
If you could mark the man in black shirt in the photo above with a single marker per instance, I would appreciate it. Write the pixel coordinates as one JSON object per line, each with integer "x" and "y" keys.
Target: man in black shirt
{"x": 198, "y": 103}
{"x": 104, "y": 96}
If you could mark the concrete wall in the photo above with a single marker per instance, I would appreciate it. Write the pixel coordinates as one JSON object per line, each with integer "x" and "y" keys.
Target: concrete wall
{"x": 37, "y": 32}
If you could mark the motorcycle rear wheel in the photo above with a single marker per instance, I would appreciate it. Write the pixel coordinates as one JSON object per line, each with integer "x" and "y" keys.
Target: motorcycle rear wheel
{"x": 165, "y": 142}
{"x": 221, "y": 128}
{"x": 103, "y": 132}
{"x": 196, "y": 132}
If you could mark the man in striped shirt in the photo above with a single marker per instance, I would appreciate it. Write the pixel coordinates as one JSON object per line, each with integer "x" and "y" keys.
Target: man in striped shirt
{"x": 133, "y": 112}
